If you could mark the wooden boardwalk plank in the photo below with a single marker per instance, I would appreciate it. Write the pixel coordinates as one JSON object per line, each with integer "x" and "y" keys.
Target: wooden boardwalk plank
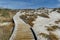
{"x": 22, "y": 30}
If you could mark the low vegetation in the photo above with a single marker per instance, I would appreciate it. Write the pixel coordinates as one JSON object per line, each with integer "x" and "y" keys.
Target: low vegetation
{"x": 52, "y": 28}
{"x": 6, "y": 30}
{"x": 28, "y": 18}
{"x": 56, "y": 9}
{"x": 43, "y": 15}
{"x": 57, "y": 22}
{"x": 53, "y": 36}
{"x": 6, "y": 15}
{"x": 43, "y": 35}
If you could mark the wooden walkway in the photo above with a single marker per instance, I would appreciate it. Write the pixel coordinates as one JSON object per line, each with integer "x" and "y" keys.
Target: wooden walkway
{"x": 22, "y": 30}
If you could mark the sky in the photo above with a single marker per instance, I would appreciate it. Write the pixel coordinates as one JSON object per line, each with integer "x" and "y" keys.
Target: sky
{"x": 23, "y": 4}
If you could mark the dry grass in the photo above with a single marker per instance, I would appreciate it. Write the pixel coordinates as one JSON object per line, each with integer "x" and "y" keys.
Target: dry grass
{"x": 29, "y": 19}
{"x": 57, "y": 22}
{"x": 54, "y": 9}
{"x": 58, "y": 10}
{"x": 3, "y": 19}
{"x": 6, "y": 31}
{"x": 43, "y": 15}
{"x": 52, "y": 36}
{"x": 52, "y": 28}
{"x": 44, "y": 35}
{"x": 6, "y": 15}
{"x": 32, "y": 17}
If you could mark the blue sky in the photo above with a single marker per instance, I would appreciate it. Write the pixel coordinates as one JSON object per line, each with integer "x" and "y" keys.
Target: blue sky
{"x": 23, "y": 4}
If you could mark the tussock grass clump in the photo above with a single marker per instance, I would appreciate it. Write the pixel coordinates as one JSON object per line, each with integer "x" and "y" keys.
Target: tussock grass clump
{"x": 43, "y": 15}
{"x": 6, "y": 31}
{"x": 57, "y": 22}
{"x": 28, "y": 18}
{"x": 52, "y": 28}
{"x": 44, "y": 35}
{"x": 54, "y": 9}
{"x": 4, "y": 19}
{"x": 53, "y": 36}
{"x": 5, "y": 14}
{"x": 58, "y": 10}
